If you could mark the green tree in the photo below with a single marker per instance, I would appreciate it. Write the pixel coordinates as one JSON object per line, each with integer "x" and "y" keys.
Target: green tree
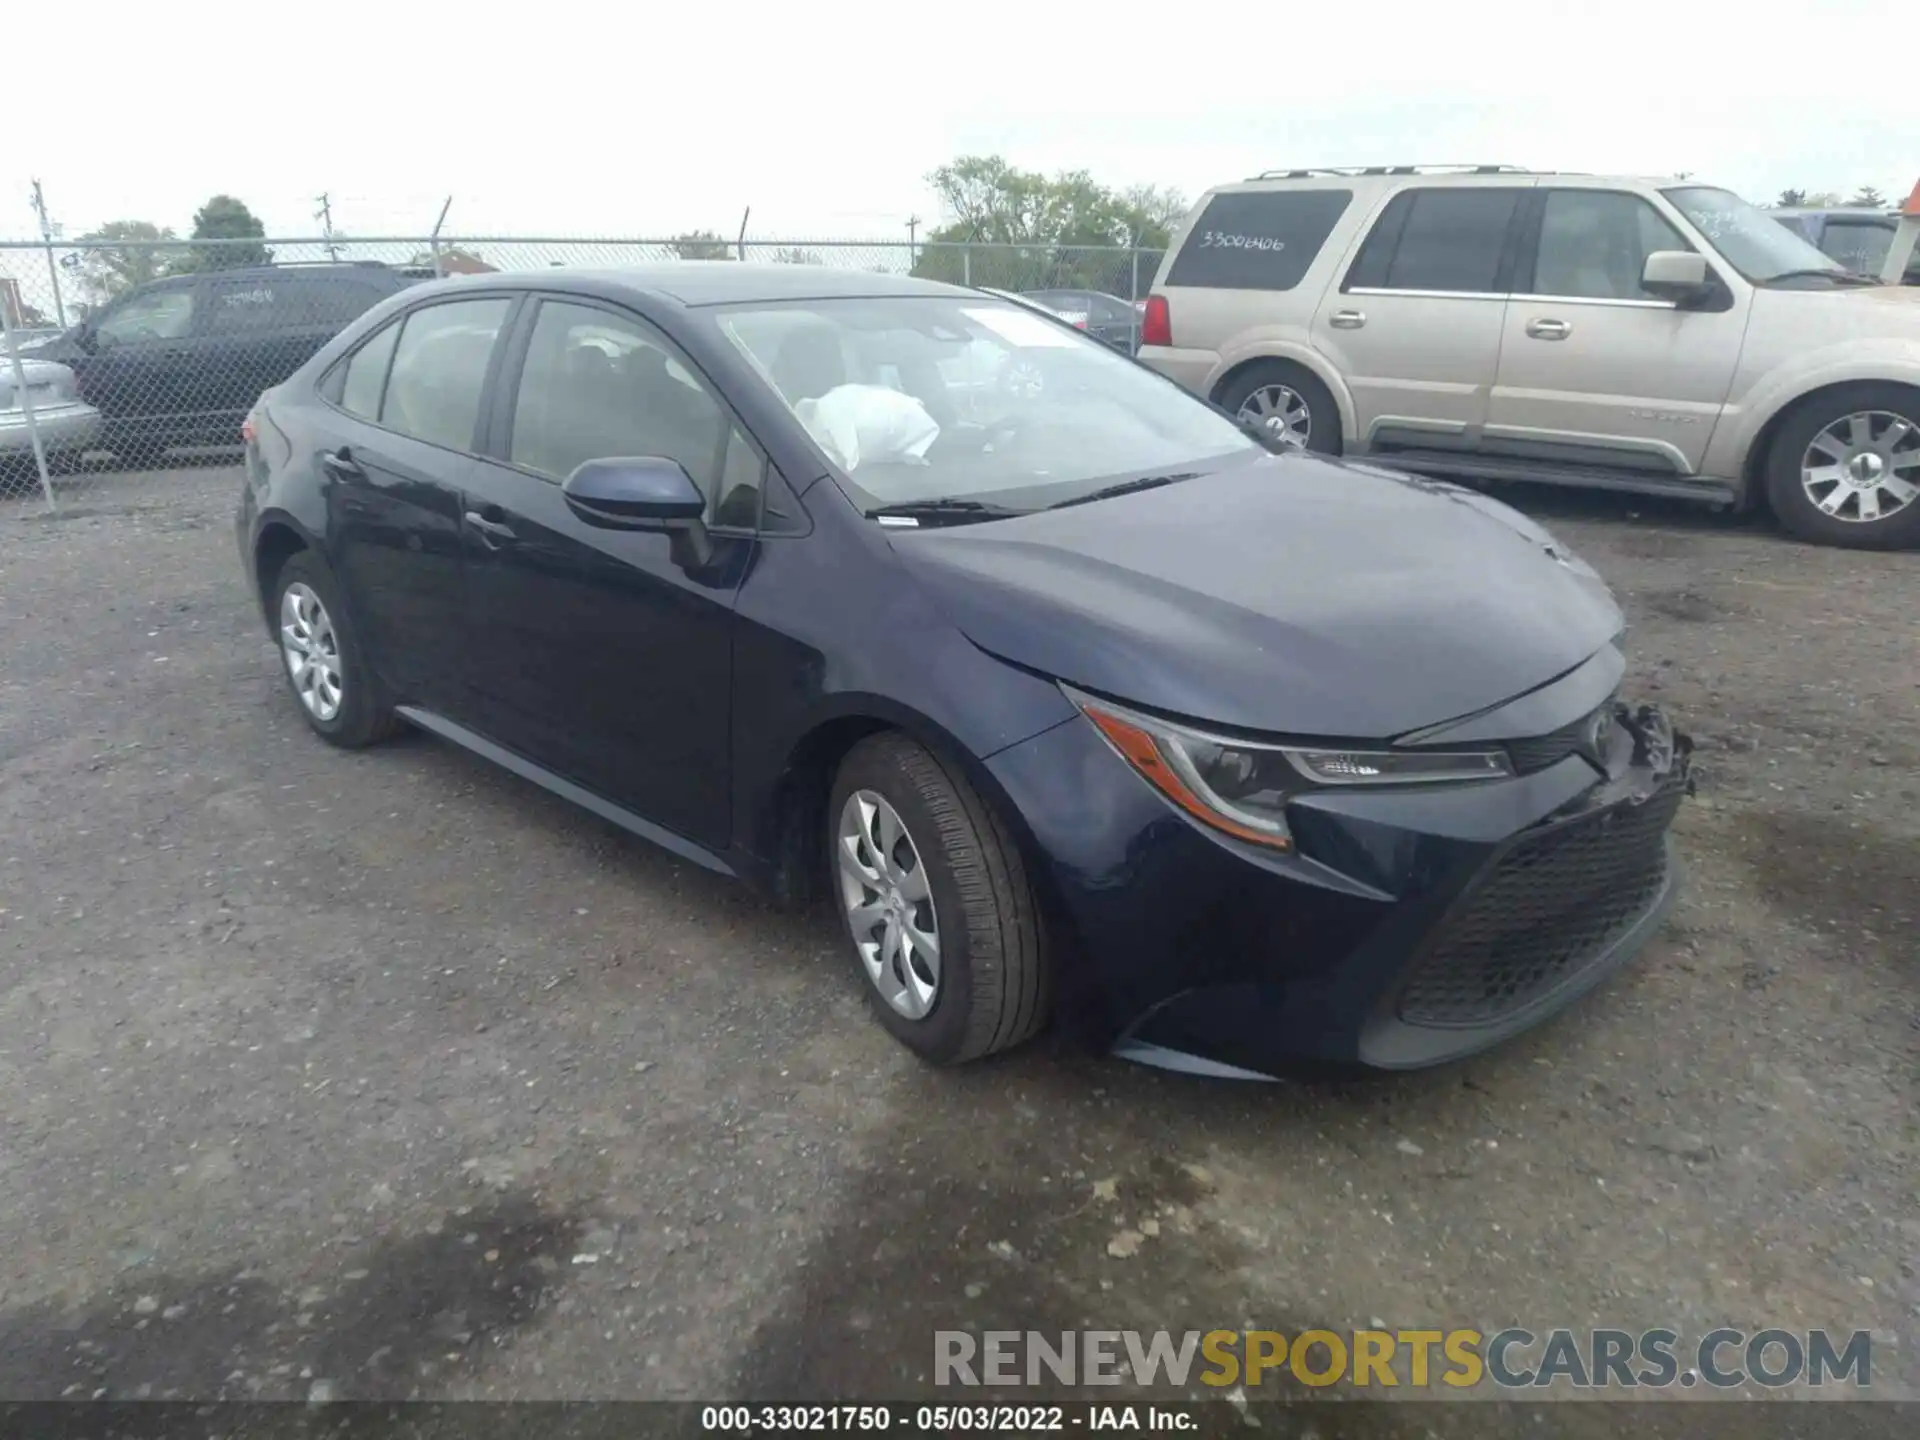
{"x": 794, "y": 255}
{"x": 1017, "y": 229}
{"x": 1869, "y": 198}
{"x": 235, "y": 231}
{"x": 701, "y": 245}
{"x": 113, "y": 262}
{"x": 1791, "y": 199}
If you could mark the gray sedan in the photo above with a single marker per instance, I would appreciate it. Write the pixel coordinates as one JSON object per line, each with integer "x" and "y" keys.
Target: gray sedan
{"x": 65, "y": 422}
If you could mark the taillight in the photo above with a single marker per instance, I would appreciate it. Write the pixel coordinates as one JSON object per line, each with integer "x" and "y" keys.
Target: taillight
{"x": 1156, "y": 324}
{"x": 248, "y": 434}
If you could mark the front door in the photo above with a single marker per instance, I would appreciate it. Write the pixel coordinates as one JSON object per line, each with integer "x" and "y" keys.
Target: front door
{"x": 606, "y": 655}
{"x": 1414, "y": 328}
{"x": 1595, "y": 371}
{"x": 134, "y": 362}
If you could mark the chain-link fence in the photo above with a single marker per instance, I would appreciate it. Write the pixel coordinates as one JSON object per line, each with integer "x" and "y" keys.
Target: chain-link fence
{"x": 135, "y": 356}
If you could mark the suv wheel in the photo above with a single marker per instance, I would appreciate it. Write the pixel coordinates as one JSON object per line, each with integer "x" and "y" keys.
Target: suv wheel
{"x": 1288, "y": 403}
{"x": 1845, "y": 468}
{"x": 944, "y": 929}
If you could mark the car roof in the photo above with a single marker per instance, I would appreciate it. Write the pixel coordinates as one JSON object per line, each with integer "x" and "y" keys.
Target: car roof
{"x": 710, "y": 282}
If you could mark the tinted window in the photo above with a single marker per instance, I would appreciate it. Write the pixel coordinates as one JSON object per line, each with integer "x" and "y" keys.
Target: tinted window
{"x": 1594, "y": 244}
{"x": 156, "y": 315}
{"x": 596, "y": 385}
{"x": 1439, "y": 239}
{"x": 1257, "y": 241}
{"x": 238, "y": 306}
{"x": 365, "y": 374}
{"x": 1861, "y": 244}
{"x": 439, "y": 370}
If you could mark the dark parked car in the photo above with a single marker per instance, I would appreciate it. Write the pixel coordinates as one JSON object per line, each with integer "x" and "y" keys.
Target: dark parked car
{"x": 1105, "y": 317}
{"x": 178, "y": 361}
{"x": 1074, "y": 698}
{"x": 1858, "y": 239}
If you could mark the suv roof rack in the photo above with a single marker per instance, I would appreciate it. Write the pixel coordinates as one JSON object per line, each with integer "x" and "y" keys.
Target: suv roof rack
{"x": 1355, "y": 170}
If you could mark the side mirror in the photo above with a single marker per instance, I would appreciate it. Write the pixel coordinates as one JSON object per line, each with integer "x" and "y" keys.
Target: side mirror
{"x": 1677, "y": 275}
{"x": 644, "y": 492}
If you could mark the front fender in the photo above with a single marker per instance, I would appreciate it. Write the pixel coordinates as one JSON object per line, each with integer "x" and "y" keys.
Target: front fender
{"x": 1889, "y": 361}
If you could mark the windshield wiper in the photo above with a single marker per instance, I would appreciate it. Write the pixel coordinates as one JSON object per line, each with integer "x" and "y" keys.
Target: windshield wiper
{"x": 1851, "y": 276}
{"x": 1125, "y": 487}
{"x": 949, "y": 509}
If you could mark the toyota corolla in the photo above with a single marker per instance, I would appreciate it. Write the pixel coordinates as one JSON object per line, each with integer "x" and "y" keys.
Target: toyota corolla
{"x": 1074, "y": 697}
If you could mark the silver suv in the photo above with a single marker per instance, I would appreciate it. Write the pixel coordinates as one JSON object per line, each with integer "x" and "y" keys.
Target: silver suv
{"x": 1488, "y": 323}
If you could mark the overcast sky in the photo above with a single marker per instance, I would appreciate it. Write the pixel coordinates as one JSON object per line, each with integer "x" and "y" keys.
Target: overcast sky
{"x": 642, "y": 120}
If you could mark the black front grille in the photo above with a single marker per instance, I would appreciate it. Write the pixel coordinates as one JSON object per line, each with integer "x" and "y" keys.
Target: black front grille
{"x": 1554, "y": 902}
{"x": 1539, "y": 751}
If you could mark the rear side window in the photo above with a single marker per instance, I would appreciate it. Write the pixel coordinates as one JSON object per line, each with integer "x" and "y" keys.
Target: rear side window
{"x": 1261, "y": 240}
{"x": 237, "y": 307}
{"x": 1438, "y": 239}
{"x": 440, "y": 369}
{"x": 364, "y": 376}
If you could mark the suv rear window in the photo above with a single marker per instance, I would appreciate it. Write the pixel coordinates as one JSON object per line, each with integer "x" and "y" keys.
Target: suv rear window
{"x": 1257, "y": 240}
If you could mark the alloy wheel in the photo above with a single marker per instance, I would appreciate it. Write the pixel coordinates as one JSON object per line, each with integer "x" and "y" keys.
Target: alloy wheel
{"x": 1281, "y": 410}
{"x": 889, "y": 904}
{"x": 1864, "y": 467}
{"x": 312, "y": 650}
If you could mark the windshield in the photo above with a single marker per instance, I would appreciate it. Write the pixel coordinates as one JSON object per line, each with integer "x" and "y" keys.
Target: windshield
{"x": 1753, "y": 242}
{"x": 970, "y": 398}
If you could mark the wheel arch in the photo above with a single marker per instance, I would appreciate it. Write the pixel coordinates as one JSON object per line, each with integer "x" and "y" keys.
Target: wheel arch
{"x": 1753, "y": 465}
{"x": 1295, "y": 357}
{"x": 277, "y": 542}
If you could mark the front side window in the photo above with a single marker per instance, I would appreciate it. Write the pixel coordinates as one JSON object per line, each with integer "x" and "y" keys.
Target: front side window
{"x": 1257, "y": 239}
{"x": 1752, "y": 241}
{"x": 596, "y": 386}
{"x": 1447, "y": 239}
{"x": 157, "y": 315}
{"x": 920, "y": 398}
{"x": 440, "y": 371}
{"x": 1594, "y": 244}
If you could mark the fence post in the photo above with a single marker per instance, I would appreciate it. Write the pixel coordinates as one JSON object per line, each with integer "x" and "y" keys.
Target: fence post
{"x": 966, "y": 264}
{"x": 1135, "y": 295}
{"x": 26, "y": 406}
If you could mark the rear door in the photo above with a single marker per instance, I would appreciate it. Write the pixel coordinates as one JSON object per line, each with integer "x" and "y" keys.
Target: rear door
{"x": 409, "y": 403}
{"x": 1593, "y": 370}
{"x": 1414, "y": 326}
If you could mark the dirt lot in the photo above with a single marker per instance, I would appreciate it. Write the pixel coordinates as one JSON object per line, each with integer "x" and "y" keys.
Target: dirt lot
{"x": 388, "y": 1073}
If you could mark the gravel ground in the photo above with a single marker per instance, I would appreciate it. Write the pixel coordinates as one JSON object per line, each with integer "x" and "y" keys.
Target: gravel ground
{"x": 389, "y": 1074}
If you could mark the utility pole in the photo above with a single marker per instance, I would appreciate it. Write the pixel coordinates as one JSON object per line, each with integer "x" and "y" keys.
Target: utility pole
{"x": 913, "y": 230}
{"x": 325, "y": 216}
{"x": 47, "y": 232}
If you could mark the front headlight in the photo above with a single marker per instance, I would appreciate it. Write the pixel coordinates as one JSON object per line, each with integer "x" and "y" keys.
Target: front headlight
{"x": 1242, "y": 787}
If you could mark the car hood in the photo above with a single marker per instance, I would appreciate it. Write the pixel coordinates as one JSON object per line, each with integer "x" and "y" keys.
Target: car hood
{"x": 1292, "y": 595}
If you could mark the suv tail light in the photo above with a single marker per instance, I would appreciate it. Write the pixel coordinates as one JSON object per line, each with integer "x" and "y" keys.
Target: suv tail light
{"x": 1156, "y": 324}
{"x": 248, "y": 432}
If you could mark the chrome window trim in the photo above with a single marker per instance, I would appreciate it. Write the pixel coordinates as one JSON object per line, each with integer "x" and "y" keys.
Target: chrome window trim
{"x": 1596, "y": 300}
{"x": 1430, "y": 294}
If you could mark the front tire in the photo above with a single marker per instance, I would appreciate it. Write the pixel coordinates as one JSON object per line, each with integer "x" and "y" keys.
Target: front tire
{"x": 945, "y": 933}
{"x": 321, "y": 658}
{"x": 1288, "y": 402}
{"x": 1844, "y": 468}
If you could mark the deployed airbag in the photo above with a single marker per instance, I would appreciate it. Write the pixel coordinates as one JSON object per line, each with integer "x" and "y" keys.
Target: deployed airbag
{"x": 869, "y": 424}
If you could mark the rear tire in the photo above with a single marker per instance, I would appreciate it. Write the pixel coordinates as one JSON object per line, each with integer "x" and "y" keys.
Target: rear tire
{"x": 952, "y": 871}
{"x": 1845, "y": 452}
{"x": 1288, "y": 400}
{"x": 320, "y": 657}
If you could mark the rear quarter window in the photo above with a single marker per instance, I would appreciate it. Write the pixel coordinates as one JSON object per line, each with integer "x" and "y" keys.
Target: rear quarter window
{"x": 1260, "y": 240}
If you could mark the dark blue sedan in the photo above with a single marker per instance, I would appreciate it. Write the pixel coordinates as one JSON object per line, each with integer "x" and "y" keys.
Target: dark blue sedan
{"x": 1073, "y": 696}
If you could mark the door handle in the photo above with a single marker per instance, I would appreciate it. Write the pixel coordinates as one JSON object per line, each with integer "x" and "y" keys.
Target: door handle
{"x": 1549, "y": 329}
{"x": 342, "y": 463}
{"x": 493, "y": 533}
{"x": 1347, "y": 319}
